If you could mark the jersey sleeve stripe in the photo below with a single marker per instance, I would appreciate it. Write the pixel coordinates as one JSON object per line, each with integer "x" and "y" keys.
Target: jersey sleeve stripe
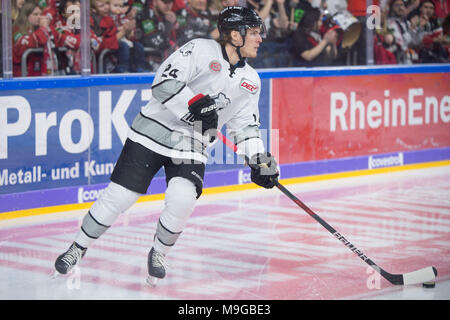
{"x": 167, "y": 89}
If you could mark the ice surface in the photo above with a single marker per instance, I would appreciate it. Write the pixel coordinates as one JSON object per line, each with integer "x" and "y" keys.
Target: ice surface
{"x": 253, "y": 244}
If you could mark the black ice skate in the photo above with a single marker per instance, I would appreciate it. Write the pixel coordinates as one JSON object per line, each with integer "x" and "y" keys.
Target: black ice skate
{"x": 69, "y": 259}
{"x": 156, "y": 267}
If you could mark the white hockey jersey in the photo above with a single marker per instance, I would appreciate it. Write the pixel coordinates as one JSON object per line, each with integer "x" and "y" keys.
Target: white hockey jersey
{"x": 165, "y": 124}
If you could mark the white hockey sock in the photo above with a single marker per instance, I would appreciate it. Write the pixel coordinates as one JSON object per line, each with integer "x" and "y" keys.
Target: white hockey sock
{"x": 180, "y": 199}
{"x": 114, "y": 200}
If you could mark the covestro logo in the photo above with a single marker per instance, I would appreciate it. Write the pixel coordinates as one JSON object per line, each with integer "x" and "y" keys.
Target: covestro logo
{"x": 88, "y": 195}
{"x": 386, "y": 161}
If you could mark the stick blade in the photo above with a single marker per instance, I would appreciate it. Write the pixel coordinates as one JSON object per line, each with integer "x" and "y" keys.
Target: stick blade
{"x": 420, "y": 276}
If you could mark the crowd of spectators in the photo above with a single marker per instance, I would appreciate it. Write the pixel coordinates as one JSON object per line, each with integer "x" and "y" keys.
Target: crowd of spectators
{"x": 417, "y": 31}
{"x": 137, "y": 35}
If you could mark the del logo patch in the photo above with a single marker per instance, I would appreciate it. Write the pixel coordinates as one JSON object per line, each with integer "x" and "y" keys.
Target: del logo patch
{"x": 215, "y": 66}
{"x": 248, "y": 86}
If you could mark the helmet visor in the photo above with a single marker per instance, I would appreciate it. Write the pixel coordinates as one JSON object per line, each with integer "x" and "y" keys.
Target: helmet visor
{"x": 262, "y": 29}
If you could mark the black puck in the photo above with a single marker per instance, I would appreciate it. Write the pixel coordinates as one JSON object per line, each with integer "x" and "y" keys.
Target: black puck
{"x": 428, "y": 284}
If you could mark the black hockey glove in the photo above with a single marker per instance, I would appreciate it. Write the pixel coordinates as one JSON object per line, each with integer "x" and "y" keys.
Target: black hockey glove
{"x": 203, "y": 108}
{"x": 264, "y": 170}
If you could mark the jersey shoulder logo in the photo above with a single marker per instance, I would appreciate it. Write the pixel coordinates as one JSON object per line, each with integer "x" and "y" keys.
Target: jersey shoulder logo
{"x": 249, "y": 86}
{"x": 215, "y": 66}
{"x": 187, "y": 48}
{"x": 221, "y": 100}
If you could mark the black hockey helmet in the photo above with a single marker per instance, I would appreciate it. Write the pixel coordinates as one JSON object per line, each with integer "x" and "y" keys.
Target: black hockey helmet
{"x": 239, "y": 19}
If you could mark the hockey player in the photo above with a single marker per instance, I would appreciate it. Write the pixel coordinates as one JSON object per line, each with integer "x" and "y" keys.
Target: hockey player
{"x": 201, "y": 87}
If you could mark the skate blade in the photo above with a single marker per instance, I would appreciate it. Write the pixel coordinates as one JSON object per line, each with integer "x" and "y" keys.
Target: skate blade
{"x": 55, "y": 275}
{"x": 152, "y": 281}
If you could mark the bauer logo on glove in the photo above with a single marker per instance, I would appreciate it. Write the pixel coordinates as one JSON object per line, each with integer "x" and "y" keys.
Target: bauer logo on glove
{"x": 203, "y": 109}
{"x": 207, "y": 109}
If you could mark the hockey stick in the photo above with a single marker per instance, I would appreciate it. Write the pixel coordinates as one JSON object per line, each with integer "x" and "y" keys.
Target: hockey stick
{"x": 414, "y": 277}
